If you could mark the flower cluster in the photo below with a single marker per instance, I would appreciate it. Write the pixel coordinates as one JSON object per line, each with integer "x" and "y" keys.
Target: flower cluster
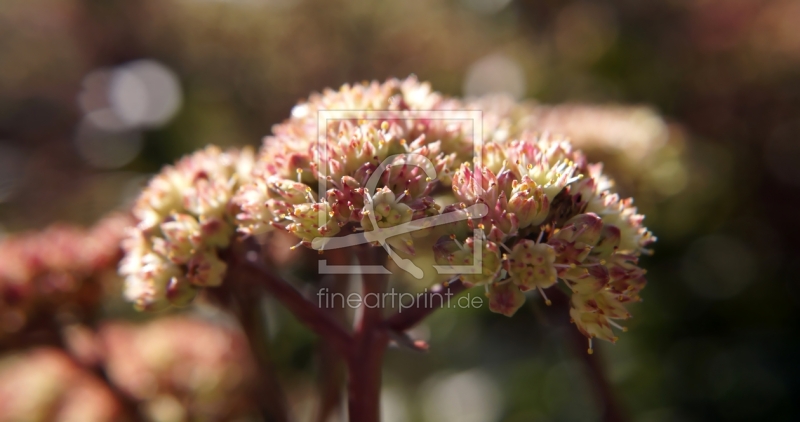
{"x": 398, "y": 152}
{"x": 46, "y": 384}
{"x": 172, "y": 369}
{"x": 179, "y": 368}
{"x": 557, "y": 219}
{"x": 549, "y": 215}
{"x": 61, "y": 267}
{"x": 184, "y": 216}
{"x": 635, "y": 132}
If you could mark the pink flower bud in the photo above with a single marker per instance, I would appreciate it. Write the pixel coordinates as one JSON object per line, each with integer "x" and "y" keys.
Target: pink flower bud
{"x": 205, "y": 269}
{"x": 529, "y": 203}
{"x": 183, "y": 237}
{"x": 451, "y": 252}
{"x": 505, "y": 298}
{"x": 584, "y": 228}
{"x": 530, "y": 265}
{"x": 592, "y": 325}
{"x": 306, "y": 220}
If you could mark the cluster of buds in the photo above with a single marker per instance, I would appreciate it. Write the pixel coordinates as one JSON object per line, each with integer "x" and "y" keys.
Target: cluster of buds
{"x": 572, "y": 229}
{"x": 61, "y": 267}
{"x": 549, "y": 216}
{"x": 184, "y": 217}
{"x": 396, "y": 153}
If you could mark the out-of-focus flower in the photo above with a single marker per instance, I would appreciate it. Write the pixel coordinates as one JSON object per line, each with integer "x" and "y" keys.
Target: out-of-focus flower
{"x": 46, "y": 385}
{"x": 634, "y": 141}
{"x": 183, "y": 217}
{"x": 61, "y": 268}
{"x": 180, "y": 369}
{"x": 633, "y": 131}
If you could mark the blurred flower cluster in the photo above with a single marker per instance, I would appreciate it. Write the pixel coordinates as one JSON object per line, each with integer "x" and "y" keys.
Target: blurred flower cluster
{"x": 60, "y": 270}
{"x": 179, "y": 368}
{"x": 47, "y": 385}
{"x": 170, "y": 370}
{"x": 183, "y": 217}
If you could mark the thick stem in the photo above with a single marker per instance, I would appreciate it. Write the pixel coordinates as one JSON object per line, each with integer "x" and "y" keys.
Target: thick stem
{"x": 364, "y": 377}
{"x": 365, "y": 363}
{"x": 612, "y": 412}
{"x": 241, "y": 295}
{"x": 433, "y": 299}
{"x": 272, "y": 400}
{"x": 332, "y": 373}
{"x": 248, "y": 275}
{"x": 304, "y": 310}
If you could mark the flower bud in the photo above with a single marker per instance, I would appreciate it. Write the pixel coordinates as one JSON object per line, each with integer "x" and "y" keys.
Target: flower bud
{"x": 529, "y": 203}
{"x": 306, "y": 221}
{"x": 592, "y": 325}
{"x": 346, "y": 199}
{"x": 473, "y": 186}
{"x": 450, "y": 252}
{"x": 216, "y": 232}
{"x": 505, "y": 182}
{"x": 583, "y": 228}
{"x": 587, "y": 280}
{"x": 205, "y": 269}
{"x": 403, "y": 175}
{"x": 530, "y": 265}
{"x": 147, "y": 276}
{"x": 289, "y": 191}
{"x": 208, "y": 198}
{"x": 505, "y": 298}
{"x": 386, "y": 212}
{"x": 182, "y": 236}
{"x": 609, "y": 242}
{"x": 255, "y": 216}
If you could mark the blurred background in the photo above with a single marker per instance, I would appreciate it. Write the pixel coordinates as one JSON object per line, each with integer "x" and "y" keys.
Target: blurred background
{"x": 95, "y": 96}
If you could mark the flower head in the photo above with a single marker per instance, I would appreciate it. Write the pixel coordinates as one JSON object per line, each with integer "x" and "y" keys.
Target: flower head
{"x": 59, "y": 268}
{"x": 548, "y": 216}
{"x": 183, "y": 217}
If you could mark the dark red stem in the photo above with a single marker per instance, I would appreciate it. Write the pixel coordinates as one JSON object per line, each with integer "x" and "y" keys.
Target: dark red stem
{"x": 436, "y": 297}
{"x": 612, "y": 412}
{"x": 303, "y": 309}
{"x": 365, "y": 362}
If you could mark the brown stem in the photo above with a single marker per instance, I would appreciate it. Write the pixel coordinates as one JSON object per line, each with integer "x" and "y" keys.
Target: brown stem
{"x": 612, "y": 412}
{"x": 249, "y": 275}
{"x": 271, "y": 398}
{"x": 306, "y": 311}
{"x": 331, "y": 365}
{"x": 366, "y": 360}
{"x": 240, "y": 294}
{"x": 432, "y": 300}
